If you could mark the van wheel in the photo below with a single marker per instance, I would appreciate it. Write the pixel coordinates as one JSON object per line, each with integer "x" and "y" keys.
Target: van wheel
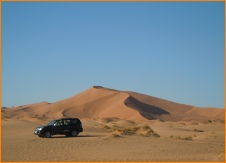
{"x": 47, "y": 134}
{"x": 74, "y": 133}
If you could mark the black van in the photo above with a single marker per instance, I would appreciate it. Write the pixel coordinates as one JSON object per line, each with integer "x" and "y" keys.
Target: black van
{"x": 63, "y": 126}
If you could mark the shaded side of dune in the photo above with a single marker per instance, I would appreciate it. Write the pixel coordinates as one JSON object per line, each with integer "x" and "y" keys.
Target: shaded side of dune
{"x": 150, "y": 112}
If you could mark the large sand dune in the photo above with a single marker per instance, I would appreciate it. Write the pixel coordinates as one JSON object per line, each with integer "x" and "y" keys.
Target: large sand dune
{"x": 118, "y": 126}
{"x": 99, "y": 102}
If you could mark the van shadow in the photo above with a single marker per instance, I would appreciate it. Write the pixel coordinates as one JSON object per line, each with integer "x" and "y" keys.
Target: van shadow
{"x": 79, "y": 136}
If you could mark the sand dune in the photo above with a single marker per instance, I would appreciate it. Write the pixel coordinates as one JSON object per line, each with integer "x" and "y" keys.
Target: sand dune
{"x": 99, "y": 102}
{"x": 118, "y": 126}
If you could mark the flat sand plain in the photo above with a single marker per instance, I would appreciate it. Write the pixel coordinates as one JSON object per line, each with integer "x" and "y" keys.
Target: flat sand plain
{"x": 101, "y": 141}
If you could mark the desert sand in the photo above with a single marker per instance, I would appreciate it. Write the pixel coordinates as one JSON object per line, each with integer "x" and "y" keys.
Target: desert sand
{"x": 118, "y": 126}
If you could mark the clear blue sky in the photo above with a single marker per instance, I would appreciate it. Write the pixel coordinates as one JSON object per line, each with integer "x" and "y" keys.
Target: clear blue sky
{"x": 52, "y": 51}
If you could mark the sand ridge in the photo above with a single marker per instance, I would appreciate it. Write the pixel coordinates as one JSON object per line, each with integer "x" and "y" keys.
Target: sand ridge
{"x": 99, "y": 102}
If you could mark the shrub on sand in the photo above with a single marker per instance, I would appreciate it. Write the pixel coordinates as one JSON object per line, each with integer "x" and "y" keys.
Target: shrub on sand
{"x": 196, "y": 130}
{"x": 182, "y": 138}
{"x": 131, "y": 130}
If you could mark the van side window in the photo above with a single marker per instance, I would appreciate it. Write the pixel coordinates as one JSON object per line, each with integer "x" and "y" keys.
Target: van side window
{"x": 67, "y": 122}
{"x": 59, "y": 123}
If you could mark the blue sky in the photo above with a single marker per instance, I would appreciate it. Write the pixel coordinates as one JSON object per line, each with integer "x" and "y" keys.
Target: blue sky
{"x": 171, "y": 50}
